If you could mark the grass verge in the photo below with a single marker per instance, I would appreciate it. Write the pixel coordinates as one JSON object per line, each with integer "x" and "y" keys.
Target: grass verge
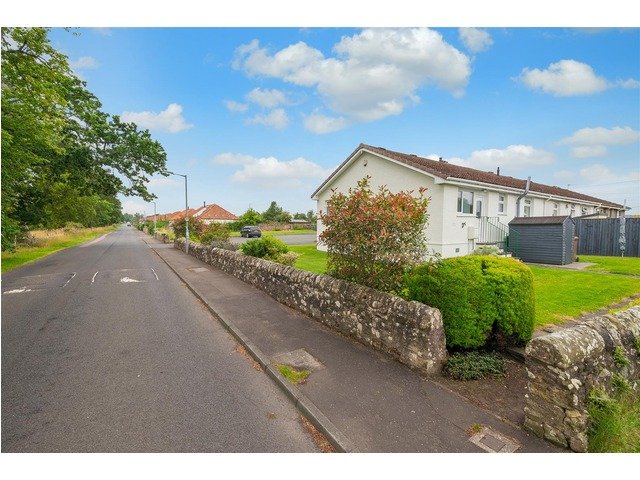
{"x": 615, "y": 423}
{"x": 563, "y": 294}
{"x": 619, "y": 265}
{"x": 50, "y": 242}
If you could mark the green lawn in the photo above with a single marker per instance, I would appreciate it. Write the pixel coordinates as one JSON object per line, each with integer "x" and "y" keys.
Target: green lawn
{"x": 626, "y": 265}
{"x": 311, "y": 259}
{"x": 51, "y": 245}
{"x": 560, "y": 294}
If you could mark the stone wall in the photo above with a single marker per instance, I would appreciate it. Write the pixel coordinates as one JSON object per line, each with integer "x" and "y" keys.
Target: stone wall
{"x": 410, "y": 332}
{"x": 565, "y": 366}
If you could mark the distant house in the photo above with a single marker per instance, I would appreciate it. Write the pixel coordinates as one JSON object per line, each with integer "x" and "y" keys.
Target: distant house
{"x": 207, "y": 213}
{"x": 468, "y": 207}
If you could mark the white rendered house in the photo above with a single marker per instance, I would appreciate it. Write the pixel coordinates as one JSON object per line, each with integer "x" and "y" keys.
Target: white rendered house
{"x": 468, "y": 207}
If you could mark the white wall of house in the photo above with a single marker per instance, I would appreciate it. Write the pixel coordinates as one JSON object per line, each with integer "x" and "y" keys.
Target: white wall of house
{"x": 449, "y": 232}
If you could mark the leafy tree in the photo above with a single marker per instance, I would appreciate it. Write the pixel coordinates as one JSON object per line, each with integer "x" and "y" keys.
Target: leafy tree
{"x": 215, "y": 232}
{"x": 57, "y": 144}
{"x": 250, "y": 217}
{"x": 373, "y": 238}
{"x": 272, "y": 213}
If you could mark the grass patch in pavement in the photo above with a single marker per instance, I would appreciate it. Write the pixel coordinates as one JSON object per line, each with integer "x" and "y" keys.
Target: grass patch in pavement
{"x": 563, "y": 294}
{"x": 50, "y": 241}
{"x": 474, "y": 365}
{"x": 294, "y": 375}
{"x": 621, "y": 265}
{"x": 311, "y": 259}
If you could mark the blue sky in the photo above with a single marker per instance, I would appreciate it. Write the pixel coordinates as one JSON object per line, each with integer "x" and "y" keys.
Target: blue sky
{"x": 253, "y": 115}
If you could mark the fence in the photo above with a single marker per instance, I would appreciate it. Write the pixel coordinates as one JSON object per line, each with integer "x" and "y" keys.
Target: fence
{"x": 602, "y": 236}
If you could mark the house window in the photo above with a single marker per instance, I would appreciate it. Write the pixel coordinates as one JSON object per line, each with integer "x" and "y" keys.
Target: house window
{"x": 465, "y": 201}
{"x": 584, "y": 210}
{"x": 555, "y": 210}
{"x": 527, "y": 208}
{"x": 500, "y": 203}
{"x": 573, "y": 210}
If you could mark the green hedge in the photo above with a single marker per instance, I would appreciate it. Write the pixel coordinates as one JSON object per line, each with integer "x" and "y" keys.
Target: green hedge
{"x": 478, "y": 296}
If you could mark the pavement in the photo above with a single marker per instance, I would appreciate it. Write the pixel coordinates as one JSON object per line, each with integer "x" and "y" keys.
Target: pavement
{"x": 360, "y": 399}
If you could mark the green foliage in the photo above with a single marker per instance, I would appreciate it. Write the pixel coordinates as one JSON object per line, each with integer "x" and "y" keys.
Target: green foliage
{"x": 215, "y": 232}
{"x": 12, "y": 233}
{"x": 150, "y": 228}
{"x": 620, "y": 359}
{"x": 474, "y": 365}
{"x": 615, "y": 422}
{"x": 269, "y": 248}
{"x": 636, "y": 344}
{"x": 250, "y": 217}
{"x": 373, "y": 238}
{"x": 620, "y": 384}
{"x": 196, "y": 227}
{"x": 275, "y": 213}
{"x": 477, "y": 296}
{"x": 63, "y": 158}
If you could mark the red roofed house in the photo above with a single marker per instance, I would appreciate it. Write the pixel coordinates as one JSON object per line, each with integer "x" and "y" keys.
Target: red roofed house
{"x": 214, "y": 213}
{"x": 468, "y": 207}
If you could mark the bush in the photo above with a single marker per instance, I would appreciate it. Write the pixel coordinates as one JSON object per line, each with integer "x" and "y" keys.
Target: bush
{"x": 474, "y": 365}
{"x": 150, "y": 228}
{"x": 72, "y": 226}
{"x": 478, "y": 296}
{"x": 487, "y": 250}
{"x": 196, "y": 228}
{"x": 215, "y": 232}
{"x": 373, "y": 238}
{"x": 269, "y": 248}
{"x": 12, "y": 233}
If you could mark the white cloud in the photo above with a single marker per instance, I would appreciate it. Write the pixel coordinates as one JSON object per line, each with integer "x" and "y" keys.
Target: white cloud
{"x": 267, "y": 98}
{"x": 84, "y": 63}
{"x": 162, "y": 182}
{"x": 564, "y": 176}
{"x": 131, "y": 206}
{"x": 271, "y": 172}
{"x": 592, "y": 142}
{"x": 277, "y": 119}
{"x": 229, "y": 158}
{"x": 589, "y": 151}
{"x": 234, "y": 106}
{"x": 474, "y": 39}
{"x": 374, "y": 74}
{"x": 321, "y": 124}
{"x": 603, "y": 136}
{"x": 104, "y": 31}
{"x": 564, "y": 79}
{"x": 169, "y": 120}
{"x": 628, "y": 83}
{"x": 514, "y": 157}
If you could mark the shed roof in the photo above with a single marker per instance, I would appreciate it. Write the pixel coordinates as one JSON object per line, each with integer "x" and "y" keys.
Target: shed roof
{"x": 557, "y": 220}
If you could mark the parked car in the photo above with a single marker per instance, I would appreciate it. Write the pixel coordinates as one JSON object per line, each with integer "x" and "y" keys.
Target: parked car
{"x": 250, "y": 231}
{"x": 128, "y": 224}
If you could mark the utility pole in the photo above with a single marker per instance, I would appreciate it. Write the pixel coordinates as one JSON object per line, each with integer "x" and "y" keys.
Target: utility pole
{"x": 186, "y": 211}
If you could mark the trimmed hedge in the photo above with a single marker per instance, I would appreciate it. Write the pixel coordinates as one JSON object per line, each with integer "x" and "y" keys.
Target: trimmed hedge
{"x": 478, "y": 296}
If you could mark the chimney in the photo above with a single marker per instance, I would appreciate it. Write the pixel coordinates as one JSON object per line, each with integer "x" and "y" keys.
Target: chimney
{"x": 204, "y": 204}
{"x": 440, "y": 159}
{"x": 498, "y": 171}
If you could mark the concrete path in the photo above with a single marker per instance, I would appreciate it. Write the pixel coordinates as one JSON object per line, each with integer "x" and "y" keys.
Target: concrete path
{"x": 368, "y": 402}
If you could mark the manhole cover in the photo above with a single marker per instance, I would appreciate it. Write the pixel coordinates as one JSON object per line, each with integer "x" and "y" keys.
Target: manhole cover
{"x": 491, "y": 441}
{"x": 198, "y": 269}
{"x": 299, "y": 359}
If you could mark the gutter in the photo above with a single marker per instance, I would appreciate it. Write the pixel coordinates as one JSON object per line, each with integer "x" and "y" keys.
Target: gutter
{"x": 520, "y": 197}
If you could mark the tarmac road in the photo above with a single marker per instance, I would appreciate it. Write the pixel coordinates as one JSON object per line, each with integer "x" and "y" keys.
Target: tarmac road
{"x": 104, "y": 349}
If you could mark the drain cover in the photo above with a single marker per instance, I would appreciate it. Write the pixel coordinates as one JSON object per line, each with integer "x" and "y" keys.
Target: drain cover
{"x": 299, "y": 359}
{"x": 491, "y": 441}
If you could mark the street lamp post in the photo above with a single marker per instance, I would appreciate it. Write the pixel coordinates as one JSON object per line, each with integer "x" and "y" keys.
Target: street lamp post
{"x": 155, "y": 217}
{"x": 186, "y": 211}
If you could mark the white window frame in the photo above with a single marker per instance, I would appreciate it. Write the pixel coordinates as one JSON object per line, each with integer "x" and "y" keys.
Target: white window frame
{"x": 502, "y": 204}
{"x": 554, "y": 213}
{"x": 584, "y": 210}
{"x": 460, "y": 203}
{"x": 573, "y": 210}
{"x": 528, "y": 207}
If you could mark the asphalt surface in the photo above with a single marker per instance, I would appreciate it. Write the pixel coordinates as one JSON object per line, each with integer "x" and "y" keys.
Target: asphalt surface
{"x": 305, "y": 239}
{"x": 104, "y": 349}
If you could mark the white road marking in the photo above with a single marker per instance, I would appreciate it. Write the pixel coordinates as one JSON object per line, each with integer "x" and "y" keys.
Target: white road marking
{"x": 94, "y": 277}
{"x": 67, "y": 283}
{"x": 129, "y": 280}
{"x": 19, "y": 290}
{"x": 154, "y": 272}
